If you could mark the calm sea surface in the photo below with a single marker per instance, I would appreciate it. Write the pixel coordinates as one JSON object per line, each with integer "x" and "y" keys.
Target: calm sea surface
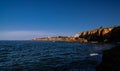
{"x": 50, "y": 56}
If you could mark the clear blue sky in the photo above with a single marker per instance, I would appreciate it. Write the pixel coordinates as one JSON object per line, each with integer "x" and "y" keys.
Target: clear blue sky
{"x": 25, "y": 19}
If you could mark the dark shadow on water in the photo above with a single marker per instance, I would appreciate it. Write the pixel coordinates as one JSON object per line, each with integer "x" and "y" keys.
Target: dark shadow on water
{"x": 78, "y": 65}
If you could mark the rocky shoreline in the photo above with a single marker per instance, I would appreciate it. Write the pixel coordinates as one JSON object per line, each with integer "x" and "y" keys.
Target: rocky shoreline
{"x": 110, "y": 34}
{"x": 110, "y": 60}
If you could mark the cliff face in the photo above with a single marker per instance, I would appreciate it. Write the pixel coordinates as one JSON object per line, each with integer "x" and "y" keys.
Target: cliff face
{"x": 111, "y": 34}
{"x": 101, "y": 35}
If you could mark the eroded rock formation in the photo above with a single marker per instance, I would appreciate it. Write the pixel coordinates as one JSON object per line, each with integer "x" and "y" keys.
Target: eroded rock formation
{"x": 98, "y": 35}
{"x": 101, "y": 35}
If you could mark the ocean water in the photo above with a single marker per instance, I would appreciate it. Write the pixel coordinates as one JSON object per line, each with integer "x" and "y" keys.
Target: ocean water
{"x": 50, "y": 56}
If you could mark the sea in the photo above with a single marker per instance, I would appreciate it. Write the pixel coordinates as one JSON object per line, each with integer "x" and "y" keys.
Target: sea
{"x": 50, "y": 55}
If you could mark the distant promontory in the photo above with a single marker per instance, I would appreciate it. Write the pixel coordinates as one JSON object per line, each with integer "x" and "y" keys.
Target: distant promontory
{"x": 110, "y": 34}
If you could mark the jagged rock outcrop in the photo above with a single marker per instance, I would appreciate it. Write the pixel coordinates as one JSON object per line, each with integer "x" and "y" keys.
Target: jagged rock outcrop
{"x": 115, "y": 34}
{"x": 101, "y": 35}
{"x": 110, "y": 60}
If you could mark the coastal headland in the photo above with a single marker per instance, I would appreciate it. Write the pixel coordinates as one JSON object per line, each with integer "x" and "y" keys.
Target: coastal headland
{"x": 110, "y": 34}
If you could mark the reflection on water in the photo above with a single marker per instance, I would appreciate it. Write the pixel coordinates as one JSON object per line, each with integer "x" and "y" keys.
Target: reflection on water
{"x": 50, "y": 56}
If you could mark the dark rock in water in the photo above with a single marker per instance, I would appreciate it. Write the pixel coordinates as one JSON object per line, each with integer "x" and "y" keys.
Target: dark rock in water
{"x": 115, "y": 34}
{"x": 110, "y": 60}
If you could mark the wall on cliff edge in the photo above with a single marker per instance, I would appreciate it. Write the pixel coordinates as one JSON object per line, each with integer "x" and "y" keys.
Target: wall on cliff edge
{"x": 101, "y": 34}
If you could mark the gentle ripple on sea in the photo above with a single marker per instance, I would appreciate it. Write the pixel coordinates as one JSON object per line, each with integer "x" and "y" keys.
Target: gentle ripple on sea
{"x": 50, "y": 56}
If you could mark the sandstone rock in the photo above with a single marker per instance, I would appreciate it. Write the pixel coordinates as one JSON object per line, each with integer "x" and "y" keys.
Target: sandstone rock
{"x": 98, "y": 35}
{"x": 101, "y": 34}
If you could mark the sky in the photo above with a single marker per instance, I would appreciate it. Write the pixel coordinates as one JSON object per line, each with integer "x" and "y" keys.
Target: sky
{"x": 27, "y": 19}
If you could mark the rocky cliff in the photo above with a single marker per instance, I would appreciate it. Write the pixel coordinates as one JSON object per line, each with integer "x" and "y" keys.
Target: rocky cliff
{"x": 101, "y": 35}
{"x": 98, "y": 35}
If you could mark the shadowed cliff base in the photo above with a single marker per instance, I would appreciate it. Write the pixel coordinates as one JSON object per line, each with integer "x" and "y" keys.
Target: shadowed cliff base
{"x": 110, "y": 34}
{"x": 110, "y": 60}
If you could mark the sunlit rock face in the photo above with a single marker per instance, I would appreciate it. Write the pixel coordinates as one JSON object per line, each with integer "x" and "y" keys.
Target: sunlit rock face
{"x": 98, "y": 35}
{"x": 101, "y": 34}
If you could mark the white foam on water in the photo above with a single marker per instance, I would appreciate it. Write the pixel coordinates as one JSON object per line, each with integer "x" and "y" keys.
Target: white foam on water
{"x": 94, "y": 54}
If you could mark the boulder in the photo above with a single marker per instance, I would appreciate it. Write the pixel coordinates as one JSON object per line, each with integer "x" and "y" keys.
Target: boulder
{"x": 110, "y": 60}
